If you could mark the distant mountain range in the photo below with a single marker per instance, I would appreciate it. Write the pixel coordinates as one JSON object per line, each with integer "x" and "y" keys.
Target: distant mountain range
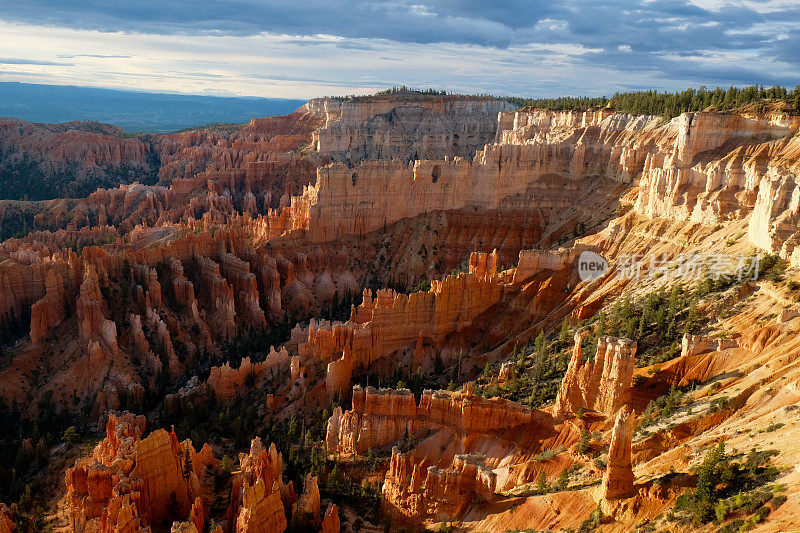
{"x": 131, "y": 110}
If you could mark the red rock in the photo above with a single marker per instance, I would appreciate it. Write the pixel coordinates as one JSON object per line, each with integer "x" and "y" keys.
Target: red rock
{"x": 256, "y": 496}
{"x": 237, "y": 272}
{"x": 618, "y": 476}
{"x": 227, "y": 382}
{"x": 602, "y": 384}
{"x": 447, "y": 491}
{"x": 48, "y": 312}
{"x": 307, "y": 508}
{"x": 7, "y": 523}
{"x": 389, "y": 321}
{"x": 197, "y": 516}
{"x": 92, "y": 324}
{"x": 380, "y": 417}
{"x": 130, "y": 482}
{"x": 220, "y": 295}
{"x": 331, "y": 523}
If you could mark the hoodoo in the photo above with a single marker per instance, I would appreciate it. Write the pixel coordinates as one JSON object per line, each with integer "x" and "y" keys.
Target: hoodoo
{"x": 601, "y": 383}
{"x": 618, "y": 477}
{"x": 369, "y": 315}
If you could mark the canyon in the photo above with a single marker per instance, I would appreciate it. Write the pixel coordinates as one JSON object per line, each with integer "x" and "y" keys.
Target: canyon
{"x": 372, "y": 311}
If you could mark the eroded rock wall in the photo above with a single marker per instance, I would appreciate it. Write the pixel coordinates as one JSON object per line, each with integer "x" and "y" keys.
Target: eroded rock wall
{"x": 601, "y": 384}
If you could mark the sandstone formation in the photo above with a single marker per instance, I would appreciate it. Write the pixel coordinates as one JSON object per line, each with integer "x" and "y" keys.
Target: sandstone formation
{"x": 331, "y": 522}
{"x": 307, "y": 508}
{"x": 257, "y": 495}
{"x": 7, "y": 516}
{"x": 618, "y": 477}
{"x": 697, "y": 344}
{"x": 92, "y": 325}
{"x": 391, "y": 128}
{"x": 600, "y": 384}
{"x": 381, "y": 417}
{"x": 244, "y": 238}
{"x": 447, "y": 491}
{"x": 132, "y": 482}
{"x": 86, "y": 154}
{"x": 48, "y": 312}
{"x": 389, "y": 323}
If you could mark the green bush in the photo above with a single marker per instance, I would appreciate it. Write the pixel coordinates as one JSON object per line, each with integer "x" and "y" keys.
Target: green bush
{"x": 725, "y": 486}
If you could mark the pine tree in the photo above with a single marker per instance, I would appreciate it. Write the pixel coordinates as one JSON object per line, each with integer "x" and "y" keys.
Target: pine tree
{"x": 707, "y": 482}
{"x": 187, "y": 463}
{"x": 563, "y": 480}
{"x": 563, "y": 335}
{"x": 334, "y": 478}
{"x": 541, "y": 483}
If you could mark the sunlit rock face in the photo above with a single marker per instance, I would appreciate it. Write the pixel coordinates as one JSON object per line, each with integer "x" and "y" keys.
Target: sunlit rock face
{"x": 397, "y": 235}
{"x": 394, "y": 127}
{"x": 600, "y": 384}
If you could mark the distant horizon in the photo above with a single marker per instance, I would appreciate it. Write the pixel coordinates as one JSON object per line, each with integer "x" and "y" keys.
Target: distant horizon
{"x": 148, "y": 91}
{"x": 387, "y": 87}
{"x": 135, "y": 111}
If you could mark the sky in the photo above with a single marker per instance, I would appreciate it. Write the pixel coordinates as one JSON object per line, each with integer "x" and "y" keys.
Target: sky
{"x": 304, "y": 49}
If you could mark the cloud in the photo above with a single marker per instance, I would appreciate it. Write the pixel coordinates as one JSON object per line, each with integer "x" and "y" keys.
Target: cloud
{"x": 530, "y": 47}
{"x": 98, "y": 56}
{"x": 18, "y": 61}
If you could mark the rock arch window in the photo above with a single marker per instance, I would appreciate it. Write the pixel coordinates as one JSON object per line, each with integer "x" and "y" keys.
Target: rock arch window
{"x": 435, "y": 173}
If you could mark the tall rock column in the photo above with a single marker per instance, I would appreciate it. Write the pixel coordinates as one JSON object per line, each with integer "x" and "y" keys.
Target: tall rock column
{"x": 618, "y": 477}
{"x": 92, "y": 325}
{"x": 48, "y": 312}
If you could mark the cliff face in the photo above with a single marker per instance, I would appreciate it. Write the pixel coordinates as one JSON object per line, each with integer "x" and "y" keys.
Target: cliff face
{"x": 43, "y": 161}
{"x": 437, "y": 493}
{"x": 250, "y": 233}
{"x": 391, "y": 329}
{"x": 48, "y": 312}
{"x": 137, "y": 484}
{"x": 462, "y": 451}
{"x": 391, "y": 128}
{"x": 390, "y": 322}
{"x": 710, "y": 168}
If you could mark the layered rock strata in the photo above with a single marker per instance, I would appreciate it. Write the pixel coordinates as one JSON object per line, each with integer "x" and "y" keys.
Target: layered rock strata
{"x": 437, "y": 493}
{"x": 697, "y": 344}
{"x": 381, "y": 417}
{"x": 393, "y": 128}
{"x": 600, "y": 384}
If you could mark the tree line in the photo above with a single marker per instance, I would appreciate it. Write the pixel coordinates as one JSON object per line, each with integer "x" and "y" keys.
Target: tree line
{"x": 670, "y": 104}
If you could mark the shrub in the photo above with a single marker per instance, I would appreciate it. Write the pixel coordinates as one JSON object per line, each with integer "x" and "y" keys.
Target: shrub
{"x": 725, "y": 486}
{"x": 583, "y": 443}
{"x": 549, "y": 453}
